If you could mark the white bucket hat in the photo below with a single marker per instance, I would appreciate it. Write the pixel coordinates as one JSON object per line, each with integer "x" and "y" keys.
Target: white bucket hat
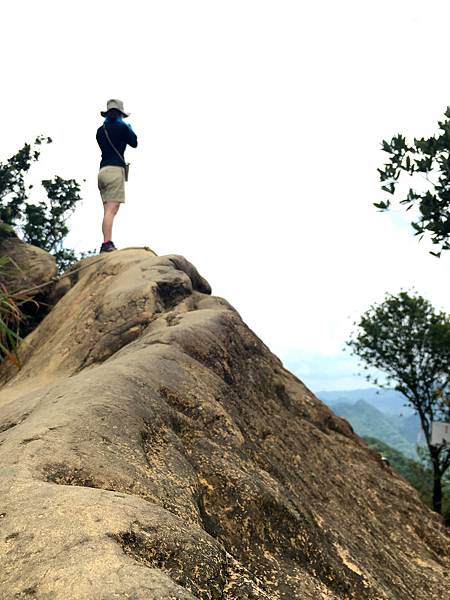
{"x": 117, "y": 104}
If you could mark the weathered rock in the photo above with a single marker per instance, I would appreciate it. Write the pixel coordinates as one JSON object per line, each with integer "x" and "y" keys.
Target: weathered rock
{"x": 30, "y": 266}
{"x": 152, "y": 448}
{"x": 29, "y": 274}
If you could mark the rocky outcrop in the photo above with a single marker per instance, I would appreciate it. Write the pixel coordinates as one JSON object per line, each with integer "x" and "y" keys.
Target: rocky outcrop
{"x": 152, "y": 447}
{"x": 29, "y": 274}
{"x": 30, "y": 266}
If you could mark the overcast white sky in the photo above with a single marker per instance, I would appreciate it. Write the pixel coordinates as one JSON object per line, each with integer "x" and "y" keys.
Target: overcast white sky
{"x": 259, "y": 126}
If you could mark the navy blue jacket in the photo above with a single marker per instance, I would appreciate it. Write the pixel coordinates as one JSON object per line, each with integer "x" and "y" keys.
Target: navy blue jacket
{"x": 121, "y": 134}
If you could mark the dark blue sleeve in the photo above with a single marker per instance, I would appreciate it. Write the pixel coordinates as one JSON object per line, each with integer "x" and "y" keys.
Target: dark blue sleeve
{"x": 130, "y": 136}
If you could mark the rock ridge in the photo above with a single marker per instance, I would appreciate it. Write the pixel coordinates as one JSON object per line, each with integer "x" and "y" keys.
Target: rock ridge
{"x": 152, "y": 447}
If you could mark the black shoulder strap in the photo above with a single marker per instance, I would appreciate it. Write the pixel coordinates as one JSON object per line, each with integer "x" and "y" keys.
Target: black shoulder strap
{"x": 112, "y": 145}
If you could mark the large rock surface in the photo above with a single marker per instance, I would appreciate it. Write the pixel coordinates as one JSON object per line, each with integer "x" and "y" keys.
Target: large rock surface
{"x": 29, "y": 266}
{"x": 29, "y": 275}
{"x": 153, "y": 448}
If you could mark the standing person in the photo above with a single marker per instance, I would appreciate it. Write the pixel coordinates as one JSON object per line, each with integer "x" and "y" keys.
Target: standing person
{"x": 113, "y": 137}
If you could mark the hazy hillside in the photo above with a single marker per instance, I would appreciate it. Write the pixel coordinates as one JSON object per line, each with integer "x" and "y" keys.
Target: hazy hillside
{"x": 368, "y": 421}
{"x": 378, "y": 413}
{"x": 409, "y": 427}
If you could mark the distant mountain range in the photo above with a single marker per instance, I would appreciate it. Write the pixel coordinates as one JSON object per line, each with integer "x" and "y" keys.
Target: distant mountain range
{"x": 379, "y": 414}
{"x": 386, "y": 401}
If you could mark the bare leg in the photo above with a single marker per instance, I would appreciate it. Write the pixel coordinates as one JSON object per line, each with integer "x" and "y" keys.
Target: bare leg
{"x": 110, "y": 211}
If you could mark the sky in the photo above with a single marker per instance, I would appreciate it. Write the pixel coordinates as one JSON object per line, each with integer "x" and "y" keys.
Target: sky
{"x": 259, "y": 127}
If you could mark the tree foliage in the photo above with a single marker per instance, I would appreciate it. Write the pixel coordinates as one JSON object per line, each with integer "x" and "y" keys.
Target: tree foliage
{"x": 427, "y": 158}
{"x": 44, "y": 223}
{"x": 407, "y": 340}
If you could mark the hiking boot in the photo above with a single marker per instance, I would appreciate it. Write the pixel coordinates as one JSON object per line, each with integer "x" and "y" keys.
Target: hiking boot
{"x": 108, "y": 247}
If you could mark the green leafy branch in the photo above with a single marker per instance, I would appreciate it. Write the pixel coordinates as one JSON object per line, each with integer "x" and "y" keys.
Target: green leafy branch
{"x": 428, "y": 158}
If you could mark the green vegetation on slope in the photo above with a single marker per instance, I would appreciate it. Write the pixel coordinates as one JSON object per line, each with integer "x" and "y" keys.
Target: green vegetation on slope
{"x": 418, "y": 476}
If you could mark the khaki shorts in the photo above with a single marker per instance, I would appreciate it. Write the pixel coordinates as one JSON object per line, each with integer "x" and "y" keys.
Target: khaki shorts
{"x": 111, "y": 183}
